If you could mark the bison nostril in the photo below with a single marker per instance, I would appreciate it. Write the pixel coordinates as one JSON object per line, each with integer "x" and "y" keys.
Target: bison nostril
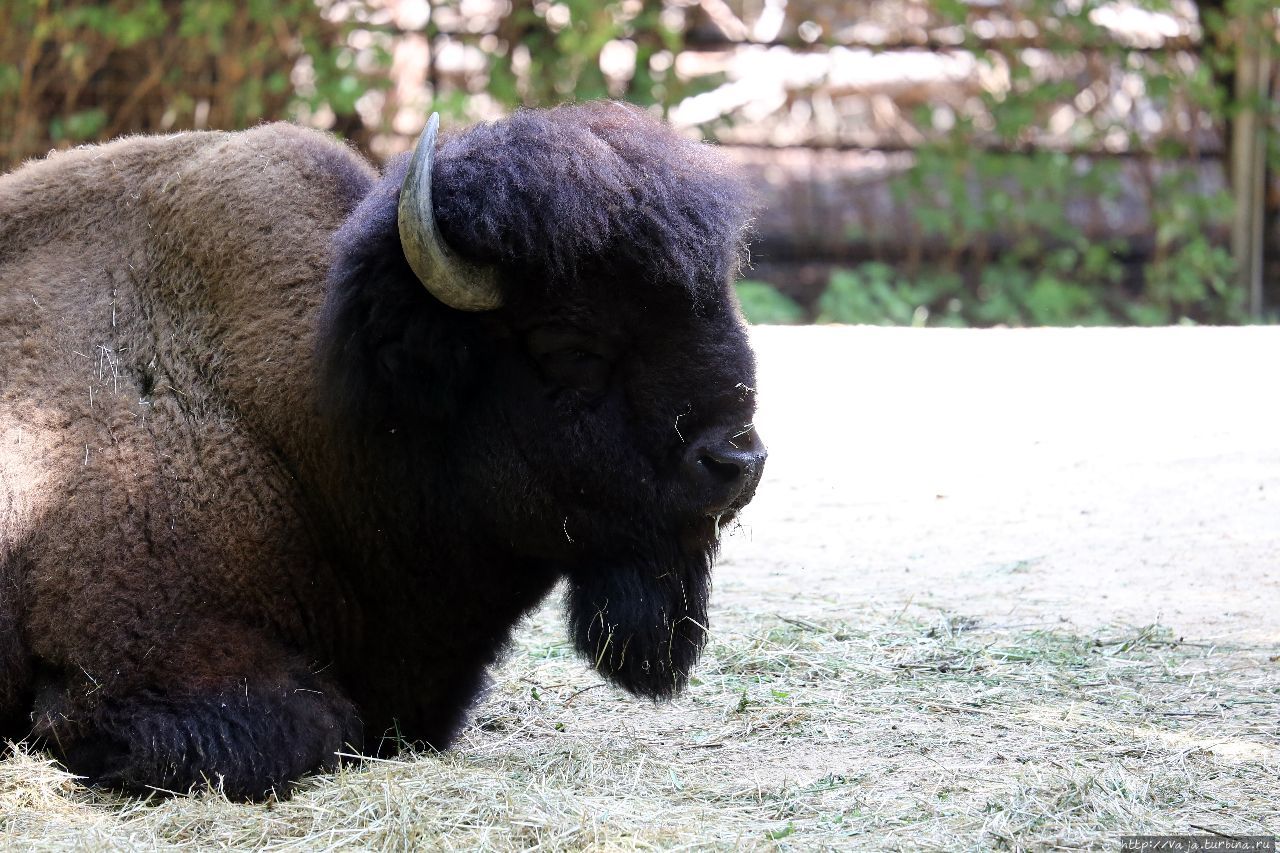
{"x": 723, "y": 470}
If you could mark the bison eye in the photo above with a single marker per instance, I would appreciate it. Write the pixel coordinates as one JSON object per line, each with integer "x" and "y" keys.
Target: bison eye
{"x": 570, "y": 359}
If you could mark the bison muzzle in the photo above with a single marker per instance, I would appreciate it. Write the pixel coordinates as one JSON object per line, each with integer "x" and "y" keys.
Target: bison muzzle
{"x": 288, "y": 447}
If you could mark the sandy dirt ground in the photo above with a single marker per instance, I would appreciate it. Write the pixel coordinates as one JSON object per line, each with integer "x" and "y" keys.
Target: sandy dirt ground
{"x": 1072, "y": 477}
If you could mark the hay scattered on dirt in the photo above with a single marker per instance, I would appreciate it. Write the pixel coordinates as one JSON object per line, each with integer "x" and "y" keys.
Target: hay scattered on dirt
{"x": 889, "y": 730}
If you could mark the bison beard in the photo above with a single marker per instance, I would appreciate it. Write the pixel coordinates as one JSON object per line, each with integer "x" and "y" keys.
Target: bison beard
{"x": 643, "y": 627}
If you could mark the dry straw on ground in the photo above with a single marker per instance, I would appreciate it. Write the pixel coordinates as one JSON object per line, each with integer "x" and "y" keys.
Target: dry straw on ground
{"x": 885, "y": 730}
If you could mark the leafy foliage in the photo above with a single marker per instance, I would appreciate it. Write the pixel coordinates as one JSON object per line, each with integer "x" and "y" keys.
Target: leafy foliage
{"x": 1022, "y": 216}
{"x": 762, "y": 303}
{"x": 74, "y": 72}
{"x": 991, "y": 176}
{"x": 992, "y": 193}
{"x": 553, "y": 52}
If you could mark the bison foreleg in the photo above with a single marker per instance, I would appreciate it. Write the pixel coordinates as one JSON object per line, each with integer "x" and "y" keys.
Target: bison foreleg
{"x": 249, "y": 738}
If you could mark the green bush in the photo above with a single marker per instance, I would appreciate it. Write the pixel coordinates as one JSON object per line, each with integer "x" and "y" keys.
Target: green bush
{"x": 989, "y": 180}
{"x": 875, "y": 293}
{"x": 1005, "y": 292}
{"x": 1014, "y": 295}
{"x": 763, "y": 304}
{"x": 73, "y": 72}
{"x": 869, "y": 294}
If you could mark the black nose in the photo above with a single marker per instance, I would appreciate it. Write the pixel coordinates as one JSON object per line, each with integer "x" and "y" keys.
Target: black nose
{"x": 724, "y": 469}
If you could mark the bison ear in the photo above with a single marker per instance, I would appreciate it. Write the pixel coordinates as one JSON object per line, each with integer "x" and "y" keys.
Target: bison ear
{"x": 454, "y": 281}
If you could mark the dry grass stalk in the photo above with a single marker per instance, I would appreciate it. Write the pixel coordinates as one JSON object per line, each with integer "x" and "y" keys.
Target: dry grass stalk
{"x": 876, "y": 730}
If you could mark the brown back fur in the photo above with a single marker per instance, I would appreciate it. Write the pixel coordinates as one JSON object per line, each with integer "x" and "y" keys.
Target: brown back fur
{"x": 155, "y": 348}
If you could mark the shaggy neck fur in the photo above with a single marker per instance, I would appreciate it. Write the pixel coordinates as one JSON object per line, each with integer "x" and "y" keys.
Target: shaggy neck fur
{"x": 572, "y": 205}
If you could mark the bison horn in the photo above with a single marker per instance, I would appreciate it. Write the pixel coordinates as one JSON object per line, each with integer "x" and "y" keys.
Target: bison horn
{"x": 456, "y": 282}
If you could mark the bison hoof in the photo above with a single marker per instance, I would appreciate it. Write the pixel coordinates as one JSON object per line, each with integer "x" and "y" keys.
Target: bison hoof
{"x": 248, "y": 744}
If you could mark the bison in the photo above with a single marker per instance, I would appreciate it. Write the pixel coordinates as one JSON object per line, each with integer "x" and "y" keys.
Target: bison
{"x": 287, "y": 447}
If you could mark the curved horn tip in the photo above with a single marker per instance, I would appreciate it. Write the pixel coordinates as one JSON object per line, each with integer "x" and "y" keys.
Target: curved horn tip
{"x": 429, "y": 131}
{"x": 456, "y": 282}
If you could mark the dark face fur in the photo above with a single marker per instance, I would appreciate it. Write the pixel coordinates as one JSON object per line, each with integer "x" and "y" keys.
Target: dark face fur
{"x": 600, "y": 423}
{"x": 628, "y": 447}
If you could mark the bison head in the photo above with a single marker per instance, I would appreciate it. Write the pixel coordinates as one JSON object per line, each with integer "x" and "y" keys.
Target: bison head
{"x": 533, "y": 326}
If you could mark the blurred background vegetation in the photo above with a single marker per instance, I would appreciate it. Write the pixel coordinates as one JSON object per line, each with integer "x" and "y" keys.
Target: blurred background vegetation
{"x": 942, "y": 162}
